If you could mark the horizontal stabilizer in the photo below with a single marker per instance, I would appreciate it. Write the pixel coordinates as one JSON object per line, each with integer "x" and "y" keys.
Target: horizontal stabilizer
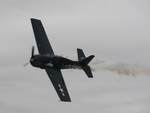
{"x": 81, "y": 55}
{"x": 87, "y": 70}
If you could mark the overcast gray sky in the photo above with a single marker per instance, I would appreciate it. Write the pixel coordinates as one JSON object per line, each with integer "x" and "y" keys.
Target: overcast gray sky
{"x": 115, "y": 30}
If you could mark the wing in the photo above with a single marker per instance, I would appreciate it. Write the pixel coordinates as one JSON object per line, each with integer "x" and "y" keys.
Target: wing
{"x": 42, "y": 41}
{"x": 59, "y": 84}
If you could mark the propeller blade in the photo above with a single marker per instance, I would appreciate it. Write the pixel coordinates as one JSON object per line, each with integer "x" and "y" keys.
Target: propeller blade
{"x": 32, "y": 54}
{"x": 26, "y": 64}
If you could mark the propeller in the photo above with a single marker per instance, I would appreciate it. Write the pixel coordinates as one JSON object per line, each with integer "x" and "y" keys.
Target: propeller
{"x": 26, "y": 64}
{"x": 32, "y": 54}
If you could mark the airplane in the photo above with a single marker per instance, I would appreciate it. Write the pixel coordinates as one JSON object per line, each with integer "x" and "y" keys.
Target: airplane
{"x": 46, "y": 59}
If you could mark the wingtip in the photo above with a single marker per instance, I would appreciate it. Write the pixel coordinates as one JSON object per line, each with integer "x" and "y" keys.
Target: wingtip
{"x": 79, "y": 49}
{"x": 65, "y": 101}
{"x": 34, "y": 19}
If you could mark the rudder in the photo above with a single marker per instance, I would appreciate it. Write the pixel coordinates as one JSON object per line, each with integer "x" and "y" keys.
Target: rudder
{"x": 87, "y": 60}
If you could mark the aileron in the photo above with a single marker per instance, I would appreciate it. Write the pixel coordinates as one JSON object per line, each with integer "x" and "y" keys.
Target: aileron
{"x": 59, "y": 84}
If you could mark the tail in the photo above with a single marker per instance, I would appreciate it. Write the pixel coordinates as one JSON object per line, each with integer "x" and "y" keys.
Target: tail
{"x": 84, "y": 61}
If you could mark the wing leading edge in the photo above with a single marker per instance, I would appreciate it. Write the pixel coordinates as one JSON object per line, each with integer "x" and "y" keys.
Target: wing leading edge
{"x": 42, "y": 41}
{"x": 59, "y": 84}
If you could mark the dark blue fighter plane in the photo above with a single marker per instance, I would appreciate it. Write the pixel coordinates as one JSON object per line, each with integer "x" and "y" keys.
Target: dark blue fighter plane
{"x": 46, "y": 59}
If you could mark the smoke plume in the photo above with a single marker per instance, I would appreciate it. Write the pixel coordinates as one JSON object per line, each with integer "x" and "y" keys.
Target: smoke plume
{"x": 121, "y": 68}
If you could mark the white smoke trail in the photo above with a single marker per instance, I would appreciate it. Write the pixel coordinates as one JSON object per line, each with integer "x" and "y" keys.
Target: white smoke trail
{"x": 122, "y": 68}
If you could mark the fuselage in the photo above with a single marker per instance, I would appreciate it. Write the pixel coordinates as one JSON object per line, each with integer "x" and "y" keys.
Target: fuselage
{"x": 59, "y": 62}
